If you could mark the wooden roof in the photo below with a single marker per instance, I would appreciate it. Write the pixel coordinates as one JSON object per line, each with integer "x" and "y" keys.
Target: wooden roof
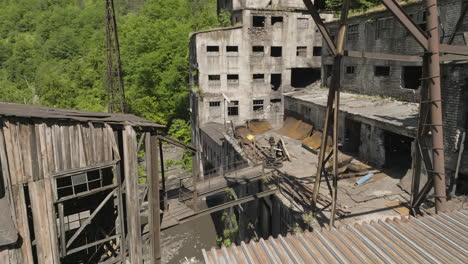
{"x": 35, "y": 111}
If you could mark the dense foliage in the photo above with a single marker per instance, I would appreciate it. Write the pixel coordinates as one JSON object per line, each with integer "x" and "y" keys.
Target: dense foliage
{"x": 356, "y": 5}
{"x": 52, "y": 52}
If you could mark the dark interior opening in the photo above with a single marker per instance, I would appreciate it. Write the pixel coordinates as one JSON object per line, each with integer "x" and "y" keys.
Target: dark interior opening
{"x": 303, "y": 77}
{"x": 275, "y": 100}
{"x": 411, "y": 78}
{"x": 258, "y": 21}
{"x": 275, "y": 81}
{"x": 276, "y": 51}
{"x": 232, "y": 48}
{"x": 317, "y": 51}
{"x": 212, "y": 48}
{"x": 352, "y": 136}
{"x": 382, "y": 71}
{"x": 276, "y": 19}
{"x": 397, "y": 153}
{"x": 350, "y": 69}
{"x": 328, "y": 70}
{"x": 258, "y": 49}
{"x": 214, "y": 77}
{"x": 258, "y": 76}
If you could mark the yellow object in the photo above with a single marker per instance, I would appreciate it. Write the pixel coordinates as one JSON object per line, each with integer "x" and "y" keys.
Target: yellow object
{"x": 251, "y": 137}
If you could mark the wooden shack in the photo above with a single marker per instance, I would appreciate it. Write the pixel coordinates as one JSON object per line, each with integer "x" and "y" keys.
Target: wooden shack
{"x": 69, "y": 186}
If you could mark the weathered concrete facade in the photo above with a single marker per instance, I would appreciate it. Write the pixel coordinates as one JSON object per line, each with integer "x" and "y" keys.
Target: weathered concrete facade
{"x": 240, "y": 73}
{"x": 378, "y": 31}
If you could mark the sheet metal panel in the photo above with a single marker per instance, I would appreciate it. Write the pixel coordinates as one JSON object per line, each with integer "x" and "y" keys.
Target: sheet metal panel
{"x": 441, "y": 238}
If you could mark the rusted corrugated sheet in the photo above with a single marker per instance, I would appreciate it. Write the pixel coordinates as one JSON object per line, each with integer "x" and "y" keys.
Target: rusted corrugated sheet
{"x": 431, "y": 239}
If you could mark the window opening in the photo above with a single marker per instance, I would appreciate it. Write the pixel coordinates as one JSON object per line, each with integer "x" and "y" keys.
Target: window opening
{"x": 317, "y": 51}
{"x": 233, "y": 108}
{"x": 411, "y": 77}
{"x": 276, "y": 19}
{"x": 275, "y": 81}
{"x": 350, "y": 69}
{"x": 353, "y": 32}
{"x": 233, "y": 78}
{"x": 301, "y": 51}
{"x": 383, "y": 29}
{"x": 258, "y": 105}
{"x": 258, "y": 50}
{"x": 258, "y": 77}
{"x": 215, "y": 104}
{"x": 382, "y": 71}
{"x": 214, "y": 78}
{"x": 258, "y": 21}
{"x": 232, "y": 49}
{"x": 212, "y": 48}
{"x": 276, "y": 51}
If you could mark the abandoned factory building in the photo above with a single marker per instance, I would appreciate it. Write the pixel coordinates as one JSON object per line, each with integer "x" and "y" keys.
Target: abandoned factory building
{"x": 240, "y": 73}
{"x": 380, "y": 103}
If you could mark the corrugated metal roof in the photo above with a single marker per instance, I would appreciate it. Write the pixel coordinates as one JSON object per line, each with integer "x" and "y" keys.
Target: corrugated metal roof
{"x": 431, "y": 239}
{"x": 29, "y": 111}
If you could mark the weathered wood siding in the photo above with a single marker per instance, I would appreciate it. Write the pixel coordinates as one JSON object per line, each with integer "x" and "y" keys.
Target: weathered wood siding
{"x": 31, "y": 151}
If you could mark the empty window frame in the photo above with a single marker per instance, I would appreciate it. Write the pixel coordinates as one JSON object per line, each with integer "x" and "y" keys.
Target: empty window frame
{"x": 276, "y": 20}
{"x": 233, "y": 78}
{"x": 276, "y": 51}
{"x": 215, "y": 104}
{"x": 258, "y": 21}
{"x": 233, "y": 108}
{"x": 212, "y": 49}
{"x": 258, "y": 77}
{"x": 258, "y": 105}
{"x": 317, "y": 51}
{"x": 382, "y": 71}
{"x": 214, "y": 77}
{"x": 383, "y": 29}
{"x": 350, "y": 69}
{"x": 275, "y": 81}
{"x": 232, "y": 50}
{"x": 302, "y": 23}
{"x": 301, "y": 51}
{"x": 411, "y": 77}
{"x": 81, "y": 183}
{"x": 258, "y": 50}
{"x": 353, "y": 32}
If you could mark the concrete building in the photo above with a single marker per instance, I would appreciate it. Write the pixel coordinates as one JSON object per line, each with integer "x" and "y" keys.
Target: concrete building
{"x": 380, "y": 106}
{"x": 240, "y": 73}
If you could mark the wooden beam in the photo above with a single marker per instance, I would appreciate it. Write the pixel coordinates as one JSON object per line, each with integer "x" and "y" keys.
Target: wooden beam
{"x": 132, "y": 201}
{"x": 154, "y": 204}
{"x": 177, "y": 143}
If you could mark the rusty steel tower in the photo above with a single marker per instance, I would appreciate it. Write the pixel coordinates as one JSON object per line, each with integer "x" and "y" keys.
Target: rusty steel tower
{"x": 114, "y": 81}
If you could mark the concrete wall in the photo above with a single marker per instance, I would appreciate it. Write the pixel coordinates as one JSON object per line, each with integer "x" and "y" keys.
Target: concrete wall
{"x": 260, "y": 4}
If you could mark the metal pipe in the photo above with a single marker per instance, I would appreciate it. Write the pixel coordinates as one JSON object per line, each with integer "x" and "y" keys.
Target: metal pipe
{"x": 436, "y": 106}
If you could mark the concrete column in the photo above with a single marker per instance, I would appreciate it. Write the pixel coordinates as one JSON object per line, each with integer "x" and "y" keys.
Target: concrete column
{"x": 372, "y": 148}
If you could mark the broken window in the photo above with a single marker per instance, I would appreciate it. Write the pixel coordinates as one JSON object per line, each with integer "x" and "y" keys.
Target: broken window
{"x": 258, "y": 77}
{"x": 411, "y": 77}
{"x": 420, "y": 19}
{"x": 302, "y": 23}
{"x": 317, "y": 51}
{"x": 214, "y": 79}
{"x": 232, "y": 50}
{"x": 258, "y": 50}
{"x": 383, "y": 28}
{"x": 381, "y": 71}
{"x": 350, "y": 69}
{"x": 276, "y": 51}
{"x": 73, "y": 186}
{"x": 233, "y": 108}
{"x": 215, "y": 104}
{"x": 301, "y": 51}
{"x": 258, "y": 21}
{"x": 258, "y": 105}
{"x": 212, "y": 48}
{"x": 275, "y": 81}
{"x": 353, "y": 32}
{"x": 233, "y": 78}
{"x": 276, "y": 20}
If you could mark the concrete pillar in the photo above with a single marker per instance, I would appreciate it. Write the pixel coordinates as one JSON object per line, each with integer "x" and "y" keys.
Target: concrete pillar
{"x": 372, "y": 148}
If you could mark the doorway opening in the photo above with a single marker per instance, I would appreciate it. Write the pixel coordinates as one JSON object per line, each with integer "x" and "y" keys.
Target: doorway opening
{"x": 352, "y": 139}
{"x": 397, "y": 153}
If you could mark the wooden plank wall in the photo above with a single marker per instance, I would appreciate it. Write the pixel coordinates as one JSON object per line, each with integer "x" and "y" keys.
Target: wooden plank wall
{"x": 32, "y": 151}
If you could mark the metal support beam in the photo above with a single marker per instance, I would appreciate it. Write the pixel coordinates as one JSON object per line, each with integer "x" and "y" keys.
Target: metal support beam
{"x": 436, "y": 106}
{"x": 321, "y": 27}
